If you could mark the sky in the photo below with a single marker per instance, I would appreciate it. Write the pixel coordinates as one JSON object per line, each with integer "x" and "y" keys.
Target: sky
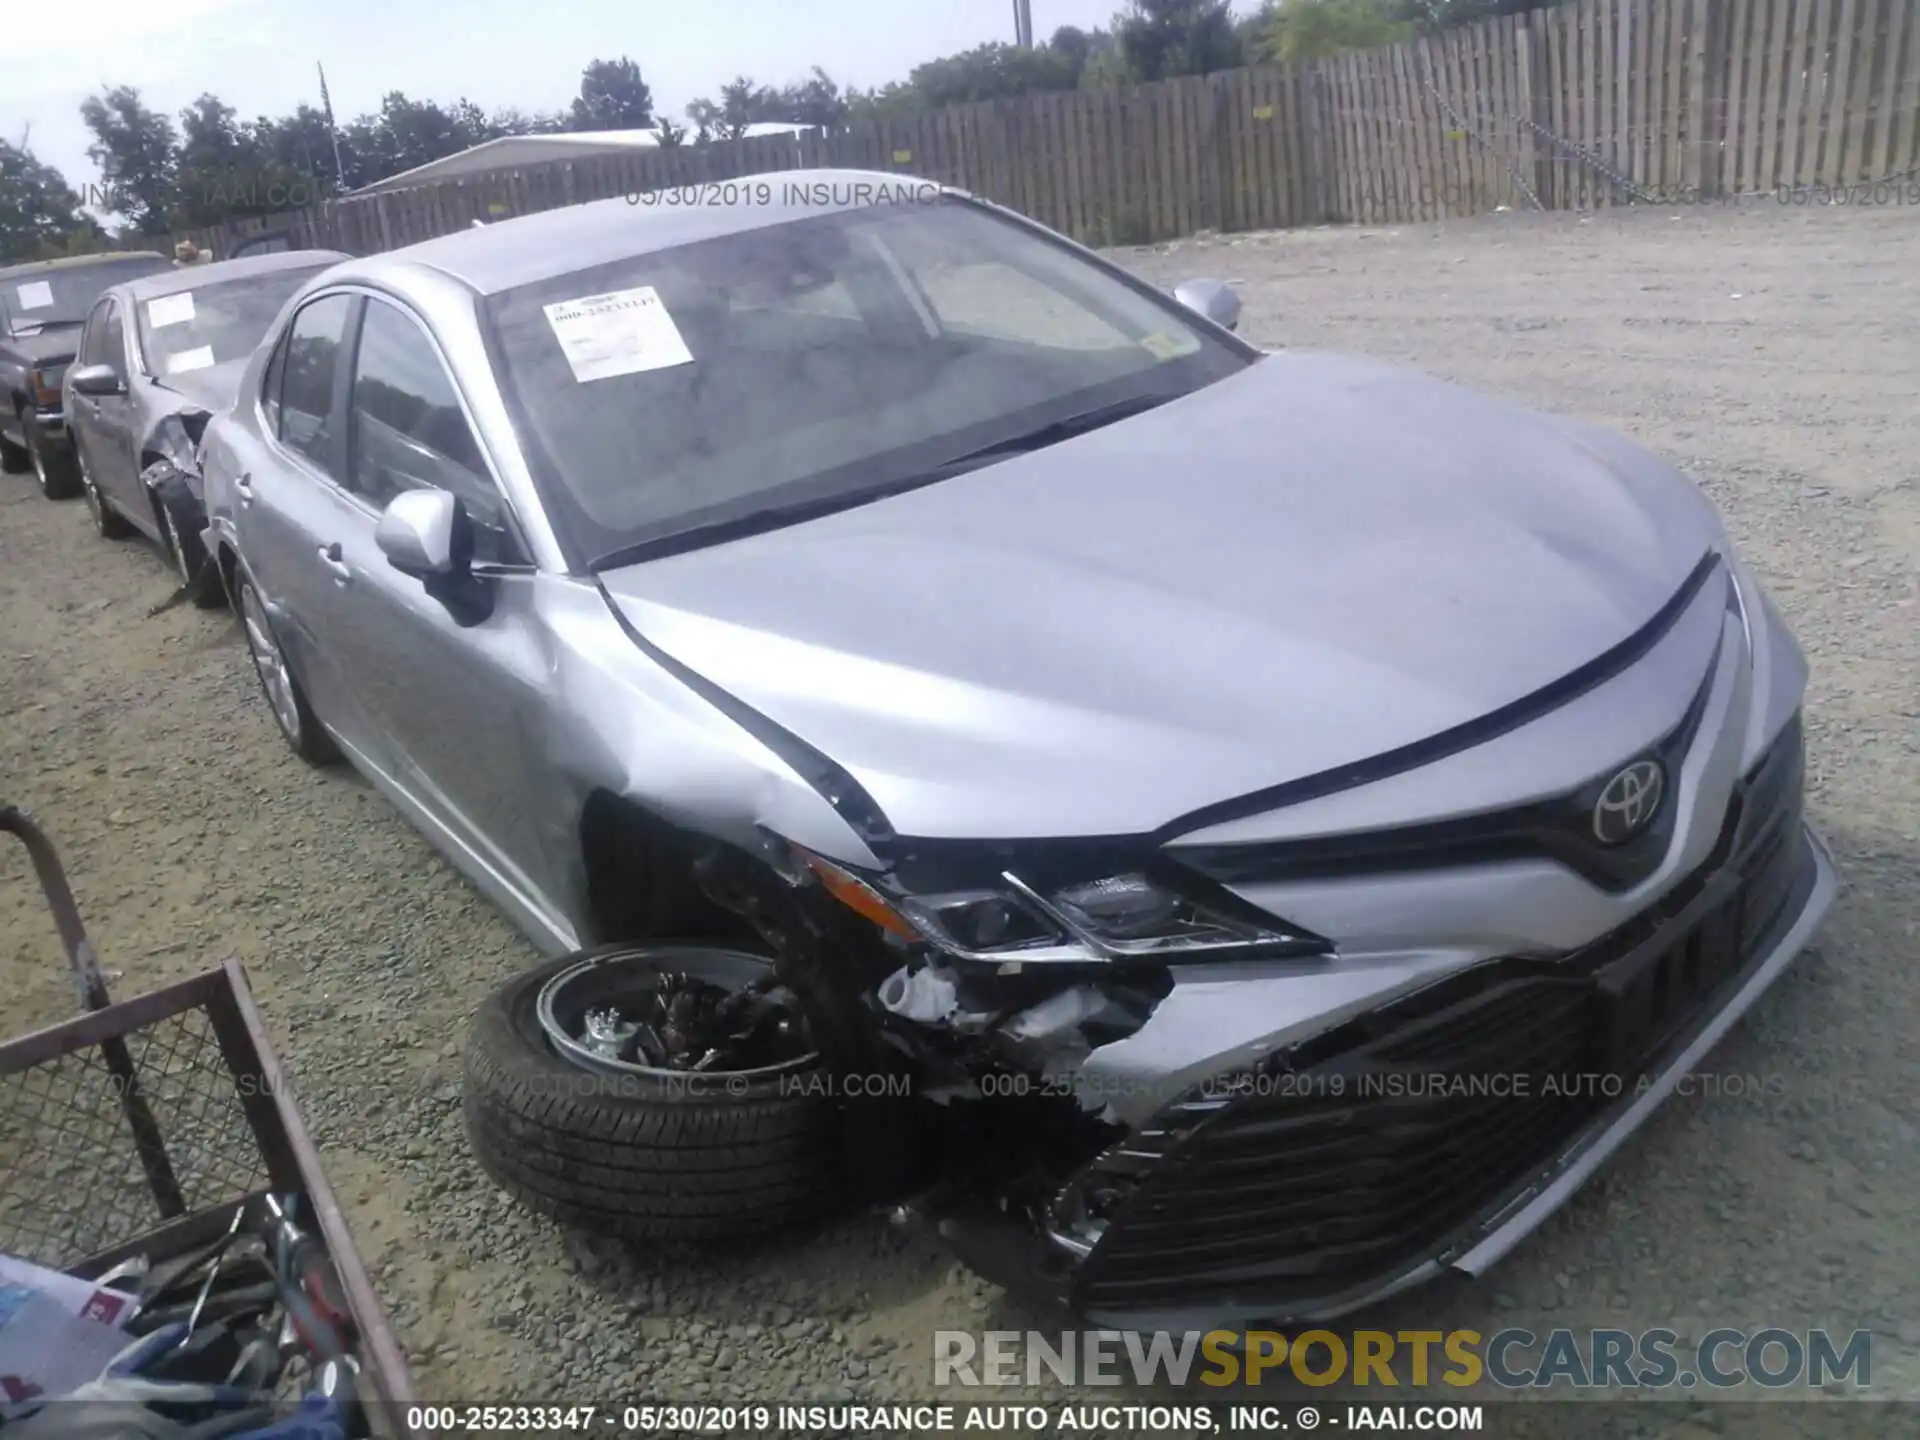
{"x": 259, "y": 55}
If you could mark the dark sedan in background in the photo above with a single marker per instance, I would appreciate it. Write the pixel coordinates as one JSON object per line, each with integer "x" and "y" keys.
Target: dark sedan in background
{"x": 42, "y": 307}
{"x": 158, "y": 357}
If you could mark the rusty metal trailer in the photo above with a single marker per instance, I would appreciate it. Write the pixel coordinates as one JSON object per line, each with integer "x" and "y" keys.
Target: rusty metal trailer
{"x": 144, "y": 1126}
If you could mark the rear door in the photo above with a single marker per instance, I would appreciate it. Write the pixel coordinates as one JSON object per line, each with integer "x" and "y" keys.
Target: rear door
{"x": 289, "y": 508}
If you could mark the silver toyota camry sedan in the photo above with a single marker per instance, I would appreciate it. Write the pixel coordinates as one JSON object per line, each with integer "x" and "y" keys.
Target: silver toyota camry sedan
{"x": 1293, "y": 817}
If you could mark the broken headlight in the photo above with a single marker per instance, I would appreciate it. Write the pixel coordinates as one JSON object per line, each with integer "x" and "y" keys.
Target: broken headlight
{"x": 1123, "y": 916}
{"x": 979, "y": 922}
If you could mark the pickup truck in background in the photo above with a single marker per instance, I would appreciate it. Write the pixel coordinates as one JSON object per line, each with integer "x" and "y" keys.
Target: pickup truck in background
{"x": 42, "y": 307}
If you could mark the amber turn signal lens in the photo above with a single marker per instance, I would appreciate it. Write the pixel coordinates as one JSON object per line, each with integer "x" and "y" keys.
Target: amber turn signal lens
{"x": 861, "y": 898}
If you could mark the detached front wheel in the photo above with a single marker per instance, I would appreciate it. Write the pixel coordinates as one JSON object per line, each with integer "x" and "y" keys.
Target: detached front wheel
{"x": 659, "y": 1092}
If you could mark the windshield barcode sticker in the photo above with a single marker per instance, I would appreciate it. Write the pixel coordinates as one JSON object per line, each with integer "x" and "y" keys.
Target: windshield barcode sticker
{"x": 624, "y": 332}
{"x": 170, "y": 310}
{"x": 35, "y": 294}
{"x": 198, "y": 358}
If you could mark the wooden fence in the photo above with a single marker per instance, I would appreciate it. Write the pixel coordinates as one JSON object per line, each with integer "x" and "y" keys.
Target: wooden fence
{"x": 1589, "y": 104}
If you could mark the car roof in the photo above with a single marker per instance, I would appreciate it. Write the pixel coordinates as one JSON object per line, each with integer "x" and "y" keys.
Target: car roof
{"x": 529, "y": 248}
{"x": 192, "y": 277}
{"x": 79, "y": 262}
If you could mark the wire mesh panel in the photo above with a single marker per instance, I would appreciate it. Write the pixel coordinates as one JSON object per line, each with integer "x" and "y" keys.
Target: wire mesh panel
{"x": 101, "y": 1143}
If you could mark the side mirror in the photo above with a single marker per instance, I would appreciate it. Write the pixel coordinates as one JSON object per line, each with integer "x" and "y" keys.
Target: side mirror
{"x": 96, "y": 380}
{"x": 1215, "y": 299}
{"x": 426, "y": 534}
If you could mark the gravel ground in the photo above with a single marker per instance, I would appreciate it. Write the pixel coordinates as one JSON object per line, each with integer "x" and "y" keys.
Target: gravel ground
{"x": 1773, "y": 352}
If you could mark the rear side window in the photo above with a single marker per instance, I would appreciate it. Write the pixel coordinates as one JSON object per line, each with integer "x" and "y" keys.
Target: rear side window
{"x": 312, "y": 360}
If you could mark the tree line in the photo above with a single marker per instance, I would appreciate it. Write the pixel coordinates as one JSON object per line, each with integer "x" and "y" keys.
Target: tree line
{"x": 162, "y": 172}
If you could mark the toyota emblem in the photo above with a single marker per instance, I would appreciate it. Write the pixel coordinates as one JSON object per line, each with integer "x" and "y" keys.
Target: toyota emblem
{"x": 1628, "y": 802}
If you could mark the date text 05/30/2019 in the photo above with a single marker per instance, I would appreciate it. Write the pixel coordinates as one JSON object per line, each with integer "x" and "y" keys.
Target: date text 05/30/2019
{"x": 892, "y": 1419}
{"x": 800, "y": 194}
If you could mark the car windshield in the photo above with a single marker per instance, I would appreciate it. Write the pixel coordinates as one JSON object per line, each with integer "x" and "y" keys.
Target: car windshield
{"x": 214, "y": 323}
{"x": 683, "y": 396}
{"x": 33, "y": 300}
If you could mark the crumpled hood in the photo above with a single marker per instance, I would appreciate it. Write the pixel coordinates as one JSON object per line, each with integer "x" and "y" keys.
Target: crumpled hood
{"x": 1310, "y": 563}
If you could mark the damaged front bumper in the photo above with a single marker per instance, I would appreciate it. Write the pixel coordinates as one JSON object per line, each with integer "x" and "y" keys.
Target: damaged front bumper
{"x": 1428, "y": 1132}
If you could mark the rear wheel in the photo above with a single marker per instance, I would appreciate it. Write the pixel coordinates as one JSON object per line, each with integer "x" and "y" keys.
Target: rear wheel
{"x": 298, "y": 726}
{"x": 582, "y": 1101}
{"x": 108, "y": 523}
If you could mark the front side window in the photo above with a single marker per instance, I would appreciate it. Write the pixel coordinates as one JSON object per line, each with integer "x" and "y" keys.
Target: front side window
{"x": 210, "y": 325}
{"x": 271, "y": 384}
{"x": 113, "y": 339}
{"x": 408, "y": 431}
{"x": 306, "y": 391}
{"x": 93, "y": 339}
{"x": 816, "y": 363}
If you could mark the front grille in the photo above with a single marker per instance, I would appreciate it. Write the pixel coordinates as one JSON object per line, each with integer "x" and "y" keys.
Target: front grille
{"x": 1365, "y": 1149}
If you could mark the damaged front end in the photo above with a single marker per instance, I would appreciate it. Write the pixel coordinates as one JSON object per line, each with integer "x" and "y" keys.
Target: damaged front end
{"x": 1162, "y": 1108}
{"x": 996, "y": 978}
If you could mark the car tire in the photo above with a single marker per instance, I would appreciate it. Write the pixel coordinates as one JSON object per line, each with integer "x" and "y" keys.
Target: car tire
{"x": 651, "y": 1155}
{"x": 286, "y": 699}
{"x": 53, "y": 464}
{"x": 186, "y": 553}
{"x": 108, "y": 523}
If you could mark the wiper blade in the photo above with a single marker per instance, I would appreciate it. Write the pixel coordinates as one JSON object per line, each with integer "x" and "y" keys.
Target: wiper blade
{"x": 776, "y": 517}
{"x": 57, "y": 324}
{"x": 754, "y": 522}
{"x": 1054, "y": 431}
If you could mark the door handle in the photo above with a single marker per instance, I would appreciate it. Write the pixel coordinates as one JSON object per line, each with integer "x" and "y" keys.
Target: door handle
{"x": 330, "y": 557}
{"x": 243, "y": 487}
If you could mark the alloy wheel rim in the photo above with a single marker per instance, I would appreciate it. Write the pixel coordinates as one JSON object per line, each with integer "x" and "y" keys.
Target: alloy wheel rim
{"x": 270, "y": 664}
{"x": 577, "y": 1013}
{"x": 39, "y": 466}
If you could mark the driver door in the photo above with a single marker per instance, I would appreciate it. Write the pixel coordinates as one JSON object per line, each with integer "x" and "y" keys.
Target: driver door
{"x": 108, "y": 420}
{"x": 458, "y": 706}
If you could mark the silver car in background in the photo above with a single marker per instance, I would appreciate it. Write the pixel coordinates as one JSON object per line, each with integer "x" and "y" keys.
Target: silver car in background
{"x": 1212, "y": 749}
{"x": 157, "y": 358}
